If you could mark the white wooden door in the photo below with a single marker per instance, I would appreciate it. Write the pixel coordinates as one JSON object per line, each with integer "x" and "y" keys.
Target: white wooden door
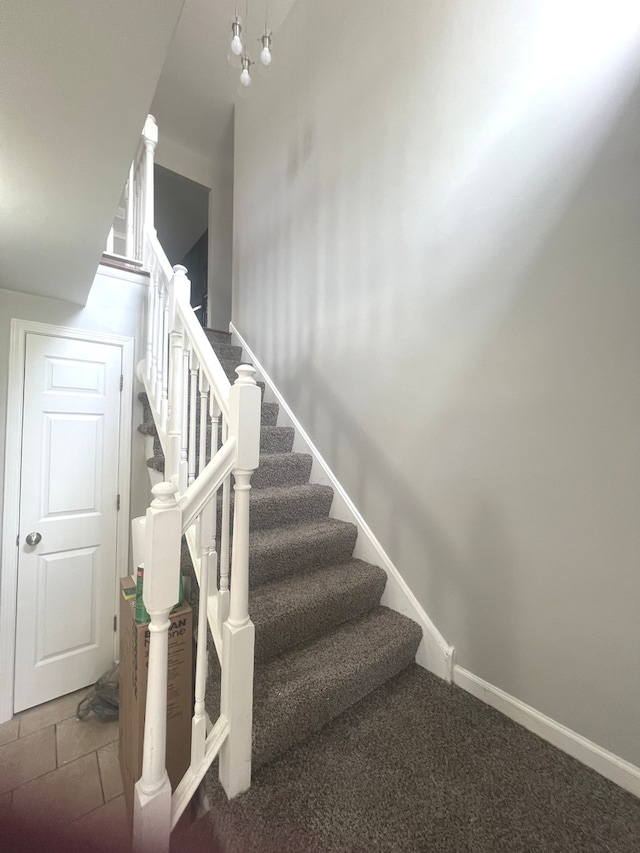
{"x": 68, "y": 498}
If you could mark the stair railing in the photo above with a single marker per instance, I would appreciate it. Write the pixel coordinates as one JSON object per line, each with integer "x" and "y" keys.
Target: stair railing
{"x": 210, "y": 432}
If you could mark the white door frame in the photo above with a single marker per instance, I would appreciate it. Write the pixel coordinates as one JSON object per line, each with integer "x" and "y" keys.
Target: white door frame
{"x": 11, "y": 511}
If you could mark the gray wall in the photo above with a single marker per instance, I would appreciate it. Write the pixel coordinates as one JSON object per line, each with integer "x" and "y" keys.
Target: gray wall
{"x": 436, "y": 256}
{"x": 221, "y": 232}
{"x": 181, "y": 212}
{"x": 216, "y": 172}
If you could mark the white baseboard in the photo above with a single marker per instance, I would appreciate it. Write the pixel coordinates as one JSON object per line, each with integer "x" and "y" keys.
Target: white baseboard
{"x": 434, "y": 653}
{"x": 601, "y": 760}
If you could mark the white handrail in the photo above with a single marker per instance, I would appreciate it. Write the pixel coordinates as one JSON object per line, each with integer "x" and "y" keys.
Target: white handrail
{"x": 201, "y": 347}
{"x": 198, "y": 495}
{"x": 191, "y": 398}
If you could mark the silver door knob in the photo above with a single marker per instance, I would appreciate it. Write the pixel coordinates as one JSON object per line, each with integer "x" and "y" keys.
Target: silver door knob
{"x": 32, "y": 538}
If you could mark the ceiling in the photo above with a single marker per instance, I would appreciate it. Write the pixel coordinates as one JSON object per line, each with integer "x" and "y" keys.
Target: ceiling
{"x": 79, "y": 79}
{"x": 195, "y": 94}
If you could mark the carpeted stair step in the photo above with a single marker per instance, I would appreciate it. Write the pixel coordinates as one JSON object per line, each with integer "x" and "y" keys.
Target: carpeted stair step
{"x": 269, "y": 414}
{"x": 296, "y": 610}
{"x": 275, "y": 439}
{"x": 228, "y": 352}
{"x": 157, "y": 446}
{"x": 282, "y": 469}
{"x": 297, "y": 549}
{"x": 156, "y": 463}
{"x": 216, "y": 337}
{"x": 276, "y": 506}
{"x": 147, "y": 427}
{"x": 298, "y": 693}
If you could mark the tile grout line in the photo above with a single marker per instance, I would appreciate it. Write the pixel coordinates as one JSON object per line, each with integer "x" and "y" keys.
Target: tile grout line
{"x": 104, "y": 799}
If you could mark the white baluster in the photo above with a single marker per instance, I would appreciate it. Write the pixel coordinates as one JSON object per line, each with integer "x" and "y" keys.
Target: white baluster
{"x": 129, "y": 244}
{"x": 184, "y": 448}
{"x": 155, "y": 335}
{"x": 223, "y": 595}
{"x": 214, "y": 417}
{"x": 236, "y": 698}
{"x": 109, "y": 247}
{"x": 151, "y": 296}
{"x": 152, "y": 794}
{"x": 139, "y": 186}
{"x": 164, "y": 404}
{"x": 158, "y": 342}
{"x": 193, "y": 398}
{"x": 204, "y": 411}
{"x": 174, "y": 435}
{"x": 199, "y": 722}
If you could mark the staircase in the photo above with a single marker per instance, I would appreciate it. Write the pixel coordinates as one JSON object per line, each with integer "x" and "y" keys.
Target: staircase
{"x": 323, "y": 641}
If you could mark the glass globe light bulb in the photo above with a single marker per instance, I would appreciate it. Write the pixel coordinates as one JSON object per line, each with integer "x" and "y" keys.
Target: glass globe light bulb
{"x": 265, "y": 55}
{"x": 245, "y": 77}
{"x": 236, "y": 41}
{"x": 236, "y": 45}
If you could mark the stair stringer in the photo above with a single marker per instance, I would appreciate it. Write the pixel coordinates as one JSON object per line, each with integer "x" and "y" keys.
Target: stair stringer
{"x": 434, "y": 653}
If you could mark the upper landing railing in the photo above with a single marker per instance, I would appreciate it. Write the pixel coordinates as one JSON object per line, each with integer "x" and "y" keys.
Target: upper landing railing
{"x": 210, "y": 432}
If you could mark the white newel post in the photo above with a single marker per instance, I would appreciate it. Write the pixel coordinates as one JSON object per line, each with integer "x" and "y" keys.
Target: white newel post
{"x": 150, "y": 137}
{"x": 236, "y": 701}
{"x": 152, "y": 795}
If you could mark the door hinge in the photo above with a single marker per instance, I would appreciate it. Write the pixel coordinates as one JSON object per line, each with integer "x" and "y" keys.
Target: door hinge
{"x": 121, "y": 381}
{"x": 115, "y": 623}
{"x": 18, "y": 539}
{"x": 118, "y": 502}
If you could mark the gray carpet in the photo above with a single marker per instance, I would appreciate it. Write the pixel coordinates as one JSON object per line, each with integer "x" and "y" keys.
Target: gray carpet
{"x": 420, "y": 765}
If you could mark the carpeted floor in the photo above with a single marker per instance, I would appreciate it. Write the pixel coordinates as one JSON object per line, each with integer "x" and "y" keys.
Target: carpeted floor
{"x": 420, "y": 765}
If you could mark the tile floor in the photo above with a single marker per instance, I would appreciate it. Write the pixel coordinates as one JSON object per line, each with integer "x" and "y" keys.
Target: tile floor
{"x": 64, "y": 771}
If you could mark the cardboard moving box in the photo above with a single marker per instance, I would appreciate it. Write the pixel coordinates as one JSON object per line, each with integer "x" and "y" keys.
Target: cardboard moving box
{"x": 134, "y": 660}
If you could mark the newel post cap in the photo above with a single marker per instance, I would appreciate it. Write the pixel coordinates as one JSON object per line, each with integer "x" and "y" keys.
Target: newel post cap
{"x": 150, "y": 130}
{"x": 164, "y": 495}
{"x": 245, "y": 374}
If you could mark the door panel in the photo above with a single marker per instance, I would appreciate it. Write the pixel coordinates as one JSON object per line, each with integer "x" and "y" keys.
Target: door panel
{"x": 69, "y": 483}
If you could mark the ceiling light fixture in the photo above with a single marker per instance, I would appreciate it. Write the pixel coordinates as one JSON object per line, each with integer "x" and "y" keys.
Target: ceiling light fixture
{"x": 238, "y": 55}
